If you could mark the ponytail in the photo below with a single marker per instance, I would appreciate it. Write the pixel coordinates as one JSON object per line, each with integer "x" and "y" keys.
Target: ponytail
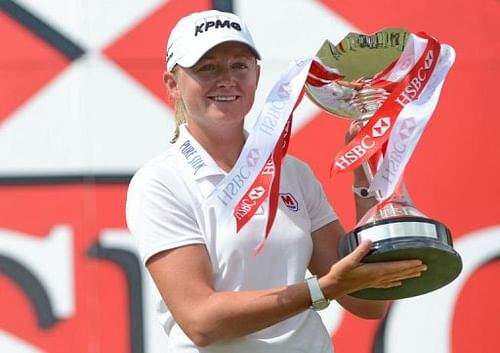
{"x": 180, "y": 118}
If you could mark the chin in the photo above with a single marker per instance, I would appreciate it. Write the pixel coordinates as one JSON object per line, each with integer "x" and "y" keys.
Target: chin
{"x": 228, "y": 117}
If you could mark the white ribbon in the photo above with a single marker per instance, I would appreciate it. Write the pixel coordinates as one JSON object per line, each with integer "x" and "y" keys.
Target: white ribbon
{"x": 261, "y": 141}
{"x": 411, "y": 121}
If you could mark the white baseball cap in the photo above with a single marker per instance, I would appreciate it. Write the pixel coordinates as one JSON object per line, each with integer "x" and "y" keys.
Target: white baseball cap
{"x": 199, "y": 32}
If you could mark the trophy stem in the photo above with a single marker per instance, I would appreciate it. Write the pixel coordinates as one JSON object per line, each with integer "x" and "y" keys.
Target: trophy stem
{"x": 369, "y": 176}
{"x": 368, "y": 172}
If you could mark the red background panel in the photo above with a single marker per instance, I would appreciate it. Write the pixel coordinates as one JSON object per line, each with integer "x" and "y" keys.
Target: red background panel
{"x": 101, "y": 305}
{"x": 137, "y": 50}
{"x": 26, "y": 65}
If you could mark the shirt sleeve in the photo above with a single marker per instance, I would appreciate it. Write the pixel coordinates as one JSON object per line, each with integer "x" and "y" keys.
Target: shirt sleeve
{"x": 159, "y": 218}
{"x": 319, "y": 209}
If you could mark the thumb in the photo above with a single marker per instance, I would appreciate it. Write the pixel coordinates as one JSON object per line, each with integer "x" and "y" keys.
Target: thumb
{"x": 361, "y": 251}
{"x": 354, "y": 128}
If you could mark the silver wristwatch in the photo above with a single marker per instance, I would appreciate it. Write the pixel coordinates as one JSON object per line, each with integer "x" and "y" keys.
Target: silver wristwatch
{"x": 319, "y": 302}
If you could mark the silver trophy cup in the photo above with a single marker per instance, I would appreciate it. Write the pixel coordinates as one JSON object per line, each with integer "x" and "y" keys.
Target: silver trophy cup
{"x": 345, "y": 82}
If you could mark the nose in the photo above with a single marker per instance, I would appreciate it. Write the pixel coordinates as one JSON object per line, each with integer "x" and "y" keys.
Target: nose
{"x": 226, "y": 78}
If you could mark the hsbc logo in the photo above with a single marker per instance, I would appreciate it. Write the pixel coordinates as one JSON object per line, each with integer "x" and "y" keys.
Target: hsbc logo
{"x": 407, "y": 129}
{"x": 248, "y": 204}
{"x": 397, "y": 154}
{"x": 257, "y": 193}
{"x": 381, "y": 127}
{"x": 366, "y": 143}
{"x": 429, "y": 59}
{"x": 284, "y": 91}
{"x": 253, "y": 157}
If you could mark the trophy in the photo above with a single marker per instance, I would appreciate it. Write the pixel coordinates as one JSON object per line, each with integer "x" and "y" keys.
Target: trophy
{"x": 389, "y": 82}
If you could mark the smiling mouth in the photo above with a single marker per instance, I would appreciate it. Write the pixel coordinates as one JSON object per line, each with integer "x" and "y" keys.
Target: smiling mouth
{"x": 224, "y": 98}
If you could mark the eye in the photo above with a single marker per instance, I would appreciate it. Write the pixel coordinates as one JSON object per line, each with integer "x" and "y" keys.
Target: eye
{"x": 206, "y": 67}
{"x": 239, "y": 65}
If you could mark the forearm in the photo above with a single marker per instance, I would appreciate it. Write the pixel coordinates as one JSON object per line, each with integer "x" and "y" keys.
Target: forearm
{"x": 226, "y": 315}
{"x": 367, "y": 309}
{"x": 184, "y": 278}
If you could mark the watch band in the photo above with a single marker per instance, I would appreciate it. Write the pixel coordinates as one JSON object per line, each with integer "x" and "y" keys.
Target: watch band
{"x": 363, "y": 192}
{"x": 319, "y": 302}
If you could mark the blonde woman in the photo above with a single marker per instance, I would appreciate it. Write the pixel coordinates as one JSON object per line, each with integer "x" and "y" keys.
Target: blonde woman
{"x": 217, "y": 294}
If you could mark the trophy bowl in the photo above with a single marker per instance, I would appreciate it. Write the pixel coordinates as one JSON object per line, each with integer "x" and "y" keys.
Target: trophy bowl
{"x": 359, "y": 79}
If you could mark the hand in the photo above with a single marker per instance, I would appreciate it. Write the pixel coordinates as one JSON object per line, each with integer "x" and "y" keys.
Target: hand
{"x": 350, "y": 274}
{"x": 354, "y": 128}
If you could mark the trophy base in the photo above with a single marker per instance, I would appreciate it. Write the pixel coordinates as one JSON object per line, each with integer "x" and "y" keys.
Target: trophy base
{"x": 404, "y": 238}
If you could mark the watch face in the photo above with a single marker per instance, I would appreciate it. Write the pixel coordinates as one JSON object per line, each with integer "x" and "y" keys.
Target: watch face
{"x": 321, "y": 304}
{"x": 364, "y": 192}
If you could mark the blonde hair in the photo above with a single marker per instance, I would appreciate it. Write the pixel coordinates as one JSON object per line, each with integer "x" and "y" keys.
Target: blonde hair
{"x": 179, "y": 112}
{"x": 180, "y": 118}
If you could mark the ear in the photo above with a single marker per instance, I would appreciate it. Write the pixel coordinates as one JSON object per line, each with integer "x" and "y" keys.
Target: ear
{"x": 170, "y": 82}
{"x": 257, "y": 76}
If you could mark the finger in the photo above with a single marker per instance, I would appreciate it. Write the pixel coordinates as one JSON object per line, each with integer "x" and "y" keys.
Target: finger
{"x": 355, "y": 127}
{"x": 406, "y": 268}
{"x": 361, "y": 251}
{"x": 401, "y": 276}
{"x": 420, "y": 268}
{"x": 414, "y": 272}
{"x": 389, "y": 285}
{"x": 406, "y": 276}
{"x": 352, "y": 131}
{"x": 405, "y": 273}
{"x": 402, "y": 265}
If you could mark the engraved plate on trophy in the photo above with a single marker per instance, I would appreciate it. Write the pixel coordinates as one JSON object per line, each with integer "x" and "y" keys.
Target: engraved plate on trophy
{"x": 390, "y": 82}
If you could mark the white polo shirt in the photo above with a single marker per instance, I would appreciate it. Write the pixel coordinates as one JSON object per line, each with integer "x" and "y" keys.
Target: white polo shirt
{"x": 166, "y": 209}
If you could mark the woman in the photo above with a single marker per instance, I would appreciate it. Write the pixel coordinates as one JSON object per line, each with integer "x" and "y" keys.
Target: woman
{"x": 217, "y": 295}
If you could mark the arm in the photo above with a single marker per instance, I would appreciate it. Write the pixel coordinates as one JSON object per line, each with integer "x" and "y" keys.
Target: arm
{"x": 183, "y": 274}
{"x": 324, "y": 256}
{"x": 367, "y": 309}
{"x": 337, "y": 278}
{"x": 326, "y": 242}
{"x": 184, "y": 277}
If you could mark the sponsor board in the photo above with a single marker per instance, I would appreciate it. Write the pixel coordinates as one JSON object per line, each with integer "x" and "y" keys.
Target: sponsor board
{"x": 69, "y": 275}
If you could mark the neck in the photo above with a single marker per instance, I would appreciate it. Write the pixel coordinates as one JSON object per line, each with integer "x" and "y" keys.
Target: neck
{"x": 224, "y": 145}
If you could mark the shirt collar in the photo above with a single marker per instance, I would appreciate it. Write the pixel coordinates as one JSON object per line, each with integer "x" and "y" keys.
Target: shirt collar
{"x": 196, "y": 159}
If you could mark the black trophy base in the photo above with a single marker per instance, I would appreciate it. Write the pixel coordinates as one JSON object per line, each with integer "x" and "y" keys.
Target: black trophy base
{"x": 403, "y": 238}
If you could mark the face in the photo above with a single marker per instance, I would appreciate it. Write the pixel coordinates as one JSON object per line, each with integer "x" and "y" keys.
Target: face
{"x": 219, "y": 88}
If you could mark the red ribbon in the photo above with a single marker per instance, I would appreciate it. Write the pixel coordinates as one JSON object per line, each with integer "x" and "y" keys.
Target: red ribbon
{"x": 375, "y": 134}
